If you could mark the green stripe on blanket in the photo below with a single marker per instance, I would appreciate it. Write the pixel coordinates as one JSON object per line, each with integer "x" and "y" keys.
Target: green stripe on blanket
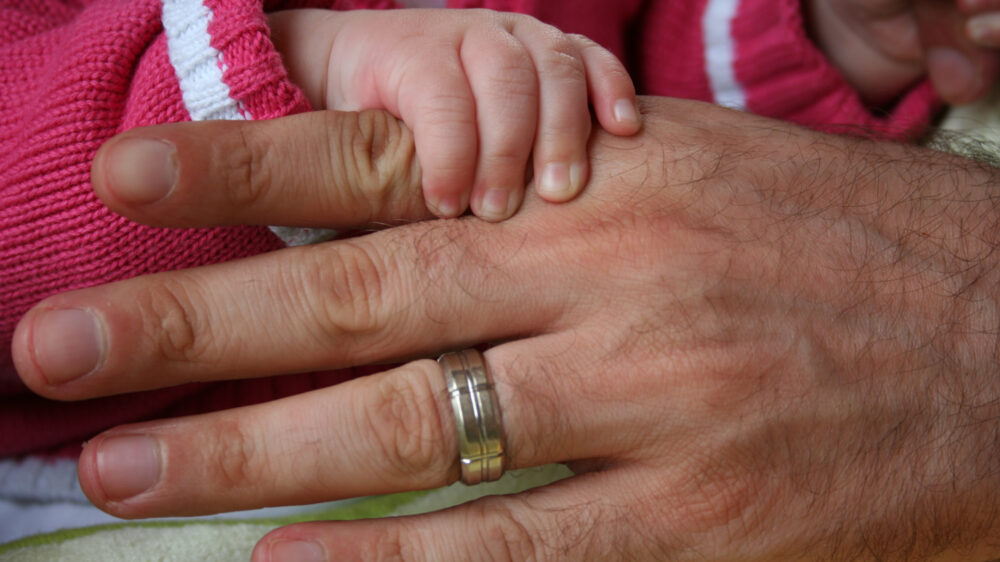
{"x": 232, "y": 540}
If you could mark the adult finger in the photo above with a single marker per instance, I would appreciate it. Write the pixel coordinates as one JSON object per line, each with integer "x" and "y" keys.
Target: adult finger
{"x": 555, "y": 522}
{"x": 384, "y": 433}
{"x": 397, "y": 293}
{"x": 505, "y": 82}
{"x": 960, "y": 70}
{"x": 237, "y": 172}
{"x": 401, "y": 292}
{"x": 379, "y": 434}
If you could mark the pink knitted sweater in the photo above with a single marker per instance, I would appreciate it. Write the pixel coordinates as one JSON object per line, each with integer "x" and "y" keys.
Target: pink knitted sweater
{"x": 74, "y": 73}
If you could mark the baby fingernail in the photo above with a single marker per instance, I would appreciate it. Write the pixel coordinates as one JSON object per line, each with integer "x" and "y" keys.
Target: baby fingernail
{"x": 554, "y": 183}
{"x": 446, "y": 207}
{"x": 497, "y": 204}
{"x": 984, "y": 29}
{"x": 625, "y": 111}
{"x": 128, "y": 465}
{"x": 298, "y": 551}
{"x": 143, "y": 170}
{"x": 560, "y": 181}
{"x": 67, "y": 344}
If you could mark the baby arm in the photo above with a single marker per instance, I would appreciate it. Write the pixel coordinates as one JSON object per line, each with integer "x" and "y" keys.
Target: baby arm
{"x": 485, "y": 93}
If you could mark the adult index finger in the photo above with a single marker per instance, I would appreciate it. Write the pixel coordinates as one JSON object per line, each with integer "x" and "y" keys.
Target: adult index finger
{"x": 319, "y": 169}
{"x": 401, "y": 292}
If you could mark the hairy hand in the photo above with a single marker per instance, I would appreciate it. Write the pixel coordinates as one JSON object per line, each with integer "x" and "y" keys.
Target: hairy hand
{"x": 751, "y": 342}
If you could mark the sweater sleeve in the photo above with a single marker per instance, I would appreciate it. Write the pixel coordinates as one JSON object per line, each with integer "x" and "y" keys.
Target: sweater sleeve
{"x": 756, "y": 55}
{"x": 73, "y": 73}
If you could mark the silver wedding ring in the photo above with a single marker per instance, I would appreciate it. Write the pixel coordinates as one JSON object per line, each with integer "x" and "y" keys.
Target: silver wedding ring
{"x": 477, "y": 416}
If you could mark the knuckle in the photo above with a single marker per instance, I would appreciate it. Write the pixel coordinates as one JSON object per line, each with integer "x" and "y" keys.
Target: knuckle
{"x": 388, "y": 150}
{"x": 506, "y": 538}
{"x": 562, "y": 61}
{"x": 582, "y": 41}
{"x": 551, "y": 149}
{"x": 616, "y": 73}
{"x": 513, "y": 58}
{"x": 234, "y": 457}
{"x": 563, "y": 139}
{"x": 407, "y": 423}
{"x": 586, "y": 45}
{"x": 454, "y": 109}
{"x": 342, "y": 289}
{"x": 492, "y": 19}
{"x": 497, "y": 59}
{"x": 587, "y": 529}
{"x": 445, "y": 132}
{"x": 517, "y": 78}
{"x": 247, "y": 184}
{"x": 172, "y": 320}
{"x": 390, "y": 546}
{"x": 510, "y": 156}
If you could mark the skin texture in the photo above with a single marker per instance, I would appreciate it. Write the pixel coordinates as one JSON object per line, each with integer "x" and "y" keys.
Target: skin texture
{"x": 752, "y": 341}
{"x": 884, "y": 46}
{"x": 983, "y": 23}
{"x": 489, "y": 96}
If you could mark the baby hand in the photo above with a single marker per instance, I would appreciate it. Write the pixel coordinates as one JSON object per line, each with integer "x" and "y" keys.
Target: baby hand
{"x": 884, "y": 46}
{"x": 983, "y": 25}
{"x": 484, "y": 92}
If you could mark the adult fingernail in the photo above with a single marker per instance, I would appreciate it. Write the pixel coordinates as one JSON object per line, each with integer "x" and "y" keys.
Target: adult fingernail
{"x": 298, "y": 551}
{"x": 984, "y": 29}
{"x": 560, "y": 181}
{"x": 496, "y": 204}
{"x": 143, "y": 170}
{"x": 626, "y": 112}
{"x": 68, "y": 344}
{"x": 128, "y": 465}
{"x": 955, "y": 77}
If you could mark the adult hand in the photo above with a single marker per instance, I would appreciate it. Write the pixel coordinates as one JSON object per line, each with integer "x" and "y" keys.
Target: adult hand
{"x": 750, "y": 340}
{"x": 884, "y": 46}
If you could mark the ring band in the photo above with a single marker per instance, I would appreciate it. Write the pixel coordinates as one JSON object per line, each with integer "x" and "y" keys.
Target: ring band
{"x": 477, "y": 416}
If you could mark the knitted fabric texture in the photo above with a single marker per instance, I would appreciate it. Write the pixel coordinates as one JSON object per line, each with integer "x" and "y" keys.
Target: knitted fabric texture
{"x": 75, "y": 74}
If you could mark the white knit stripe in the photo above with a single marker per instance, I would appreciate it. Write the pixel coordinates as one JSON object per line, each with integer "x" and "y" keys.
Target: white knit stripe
{"x": 720, "y": 52}
{"x": 198, "y": 65}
